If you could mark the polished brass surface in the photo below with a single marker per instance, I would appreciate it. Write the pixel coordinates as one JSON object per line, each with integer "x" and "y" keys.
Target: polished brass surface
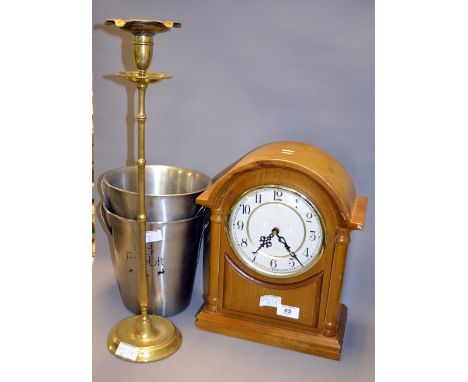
{"x": 155, "y": 336}
{"x": 144, "y": 26}
{"x": 143, "y": 51}
{"x": 148, "y": 77}
{"x": 142, "y": 280}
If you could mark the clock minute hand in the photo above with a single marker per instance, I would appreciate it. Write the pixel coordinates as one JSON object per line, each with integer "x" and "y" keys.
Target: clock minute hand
{"x": 292, "y": 254}
{"x": 282, "y": 240}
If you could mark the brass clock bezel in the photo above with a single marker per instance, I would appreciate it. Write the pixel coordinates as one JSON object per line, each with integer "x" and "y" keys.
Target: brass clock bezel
{"x": 266, "y": 273}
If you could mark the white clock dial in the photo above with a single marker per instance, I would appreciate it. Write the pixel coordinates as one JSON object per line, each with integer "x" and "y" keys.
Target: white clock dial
{"x": 275, "y": 231}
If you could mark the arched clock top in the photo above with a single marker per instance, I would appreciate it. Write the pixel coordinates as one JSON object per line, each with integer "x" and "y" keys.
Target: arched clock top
{"x": 319, "y": 166}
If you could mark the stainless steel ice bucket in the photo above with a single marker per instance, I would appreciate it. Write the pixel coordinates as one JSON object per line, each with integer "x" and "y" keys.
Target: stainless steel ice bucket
{"x": 170, "y": 192}
{"x": 171, "y": 259}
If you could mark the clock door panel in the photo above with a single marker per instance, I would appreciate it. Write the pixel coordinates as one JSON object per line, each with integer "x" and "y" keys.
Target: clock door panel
{"x": 241, "y": 297}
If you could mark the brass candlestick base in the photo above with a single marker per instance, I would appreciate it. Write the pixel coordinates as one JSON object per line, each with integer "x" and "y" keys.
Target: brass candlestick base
{"x": 146, "y": 337}
{"x": 156, "y": 338}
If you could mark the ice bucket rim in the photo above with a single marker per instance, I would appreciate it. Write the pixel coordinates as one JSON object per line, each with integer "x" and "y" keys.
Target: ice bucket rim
{"x": 200, "y": 213}
{"x": 107, "y": 173}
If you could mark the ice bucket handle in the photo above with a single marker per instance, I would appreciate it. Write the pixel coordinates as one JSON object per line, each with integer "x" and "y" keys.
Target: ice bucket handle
{"x": 103, "y": 189}
{"x": 104, "y": 219}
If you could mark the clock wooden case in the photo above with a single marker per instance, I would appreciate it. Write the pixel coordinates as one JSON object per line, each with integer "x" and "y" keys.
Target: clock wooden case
{"x": 235, "y": 304}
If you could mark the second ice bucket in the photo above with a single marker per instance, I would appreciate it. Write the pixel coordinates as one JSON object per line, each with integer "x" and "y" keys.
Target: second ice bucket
{"x": 171, "y": 259}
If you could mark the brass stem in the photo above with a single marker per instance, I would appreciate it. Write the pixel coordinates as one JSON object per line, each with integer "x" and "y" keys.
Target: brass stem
{"x": 142, "y": 278}
{"x": 143, "y": 52}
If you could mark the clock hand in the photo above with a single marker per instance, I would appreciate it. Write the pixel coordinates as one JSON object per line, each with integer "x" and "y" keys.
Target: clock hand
{"x": 292, "y": 254}
{"x": 282, "y": 240}
{"x": 265, "y": 241}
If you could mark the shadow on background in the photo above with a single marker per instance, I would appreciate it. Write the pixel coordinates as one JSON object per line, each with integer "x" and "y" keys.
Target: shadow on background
{"x": 356, "y": 337}
{"x": 128, "y": 65}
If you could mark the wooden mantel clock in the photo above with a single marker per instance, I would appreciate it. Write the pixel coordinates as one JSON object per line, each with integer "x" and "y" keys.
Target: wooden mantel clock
{"x": 280, "y": 223}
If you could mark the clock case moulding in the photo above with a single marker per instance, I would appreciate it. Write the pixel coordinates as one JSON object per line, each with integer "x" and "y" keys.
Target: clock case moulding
{"x": 232, "y": 302}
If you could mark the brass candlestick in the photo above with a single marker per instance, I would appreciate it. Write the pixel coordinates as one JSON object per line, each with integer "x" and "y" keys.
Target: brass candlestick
{"x": 143, "y": 338}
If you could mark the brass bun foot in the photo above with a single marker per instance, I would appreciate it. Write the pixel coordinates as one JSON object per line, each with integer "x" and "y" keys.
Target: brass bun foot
{"x": 155, "y": 339}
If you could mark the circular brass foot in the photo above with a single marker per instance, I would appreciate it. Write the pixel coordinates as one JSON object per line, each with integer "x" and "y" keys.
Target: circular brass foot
{"x": 155, "y": 339}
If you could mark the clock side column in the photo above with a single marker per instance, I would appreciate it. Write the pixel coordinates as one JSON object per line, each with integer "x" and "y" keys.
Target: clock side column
{"x": 336, "y": 282}
{"x": 212, "y": 299}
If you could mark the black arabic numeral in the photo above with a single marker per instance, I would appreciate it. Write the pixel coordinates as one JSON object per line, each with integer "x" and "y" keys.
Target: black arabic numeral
{"x": 273, "y": 263}
{"x": 258, "y": 198}
{"x": 292, "y": 264}
{"x": 313, "y": 236}
{"x": 244, "y": 243}
{"x": 245, "y": 209}
{"x": 309, "y": 216}
{"x": 306, "y": 254}
{"x": 277, "y": 194}
{"x": 240, "y": 224}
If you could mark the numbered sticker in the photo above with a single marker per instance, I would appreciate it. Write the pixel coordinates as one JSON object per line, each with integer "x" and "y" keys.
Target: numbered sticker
{"x": 152, "y": 236}
{"x": 269, "y": 300}
{"x": 127, "y": 351}
{"x": 288, "y": 311}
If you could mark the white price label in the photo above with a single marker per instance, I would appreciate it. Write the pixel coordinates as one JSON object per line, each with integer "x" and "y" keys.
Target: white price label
{"x": 288, "y": 311}
{"x": 152, "y": 236}
{"x": 269, "y": 300}
{"x": 127, "y": 351}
